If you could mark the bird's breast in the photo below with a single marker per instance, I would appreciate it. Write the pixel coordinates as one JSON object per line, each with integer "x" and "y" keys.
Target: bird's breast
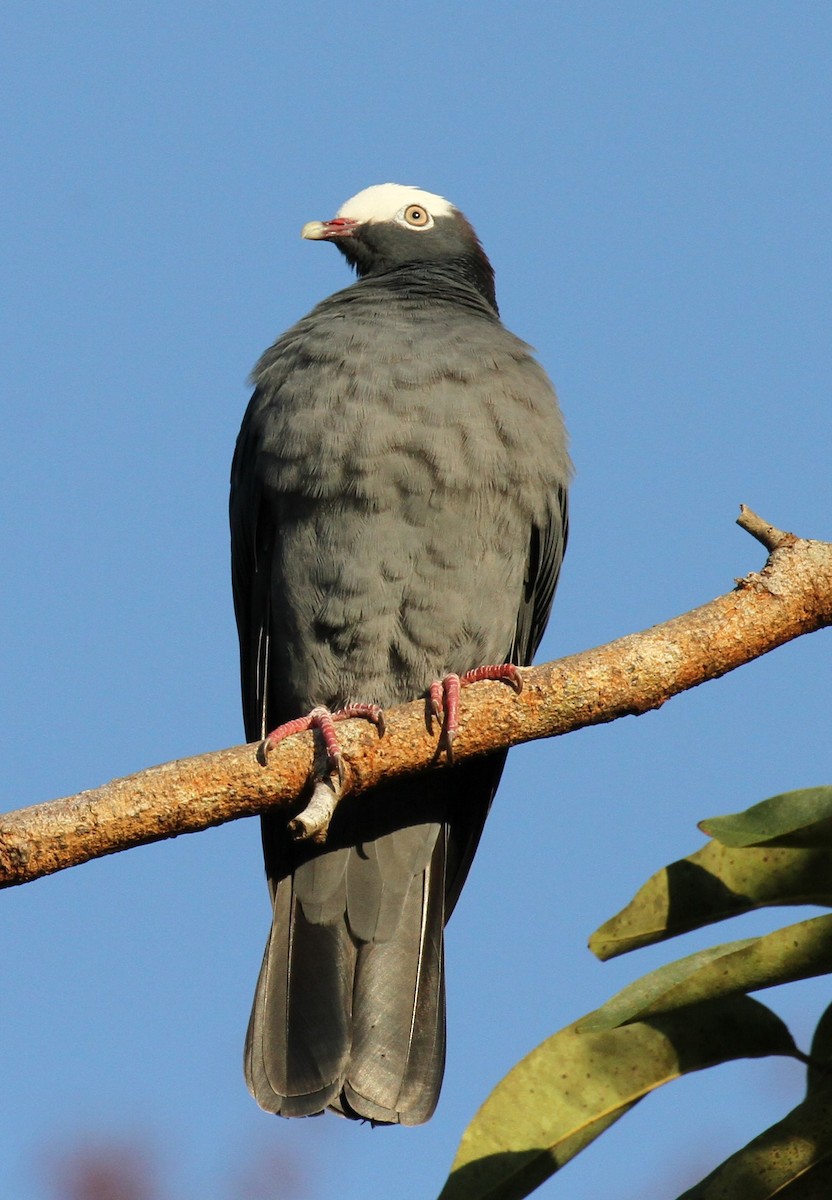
{"x": 360, "y": 421}
{"x": 403, "y": 461}
{"x": 374, "y": 603}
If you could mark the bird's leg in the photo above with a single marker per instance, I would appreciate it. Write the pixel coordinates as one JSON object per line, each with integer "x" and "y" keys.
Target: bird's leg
{"x": 443, "y": 698}
{"x": 324, "y": 720}
{"x": 313, "y": 822}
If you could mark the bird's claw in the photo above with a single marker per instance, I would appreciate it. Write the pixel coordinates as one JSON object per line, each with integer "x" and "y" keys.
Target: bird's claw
{"x": 443, "y": 699}
{"x": 322, "y": 719}
{"x": 446, "y": 743}
{"x": 502, "y": 673}
{"x": 314, "y": 821}
{"x": 436, "y": 704}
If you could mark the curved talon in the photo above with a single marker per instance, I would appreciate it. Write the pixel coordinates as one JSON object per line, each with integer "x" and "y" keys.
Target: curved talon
{"x": 299, "y": 725}
{"x": 443, "y": 699}
{"x": 503, "y": 673}
{"x": 373, "y": 713}
{"x": 443, "y": 707}
{"x": 436, "y": 707}
{"x": 446, "y": 743}
{"x": 322, "y": 719}
{"x": 336, "y": 764}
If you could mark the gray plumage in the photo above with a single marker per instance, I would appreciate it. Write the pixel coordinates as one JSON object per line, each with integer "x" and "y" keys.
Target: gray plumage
{"x": 398, "y": 512}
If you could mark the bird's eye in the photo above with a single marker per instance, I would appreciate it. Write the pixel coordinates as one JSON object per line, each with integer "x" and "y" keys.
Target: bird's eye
{"x": 417, "y": 216}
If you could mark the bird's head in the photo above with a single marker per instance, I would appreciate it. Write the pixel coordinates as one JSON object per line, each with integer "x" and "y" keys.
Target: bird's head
{"x": 389, "y": 225}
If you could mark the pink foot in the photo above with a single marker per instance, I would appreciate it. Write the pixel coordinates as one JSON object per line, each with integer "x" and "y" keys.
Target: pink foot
{"x": 324, "y": 720}
{"x": 443, "y": 698}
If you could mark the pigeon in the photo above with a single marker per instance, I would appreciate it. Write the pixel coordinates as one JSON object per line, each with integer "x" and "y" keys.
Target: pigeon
{"x": 398, "y": 519}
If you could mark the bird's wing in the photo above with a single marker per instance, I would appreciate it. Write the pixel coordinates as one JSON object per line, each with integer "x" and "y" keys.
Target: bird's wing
{"x": 547, "y": 546}
{"x": 482, "y": 776}
{"x": 251, "y": 555}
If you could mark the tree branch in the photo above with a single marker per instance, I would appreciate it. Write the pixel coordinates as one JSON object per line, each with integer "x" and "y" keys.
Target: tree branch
{"x": 791, "y": 596}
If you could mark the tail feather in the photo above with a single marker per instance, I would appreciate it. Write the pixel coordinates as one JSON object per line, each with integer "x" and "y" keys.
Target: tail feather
{"x": 298, "y": 1041}
{"x": 349, "y": 1011}
{"x": 398, "y": 1042}
{"x": 358, "y": 1026}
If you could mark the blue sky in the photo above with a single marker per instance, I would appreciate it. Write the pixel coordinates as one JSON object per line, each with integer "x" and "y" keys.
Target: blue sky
{"x": 652, "y": 183}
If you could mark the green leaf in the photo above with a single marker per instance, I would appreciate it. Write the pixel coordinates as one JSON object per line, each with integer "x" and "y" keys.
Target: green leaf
{"x": 715, "y": 883}
{"x": 792, "y": 1160}
{"x": 820, "y": 1055}
{"x": 801, "y": 819}
{"x": 797, "y": 952}
{"x": 573, "y": 1086}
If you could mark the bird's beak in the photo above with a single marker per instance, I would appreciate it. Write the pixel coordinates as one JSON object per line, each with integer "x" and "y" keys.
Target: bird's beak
{"x": 324, "y": 231}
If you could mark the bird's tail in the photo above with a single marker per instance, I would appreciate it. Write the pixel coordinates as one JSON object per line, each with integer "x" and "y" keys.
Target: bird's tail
{"x": 349, "y": 1011}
